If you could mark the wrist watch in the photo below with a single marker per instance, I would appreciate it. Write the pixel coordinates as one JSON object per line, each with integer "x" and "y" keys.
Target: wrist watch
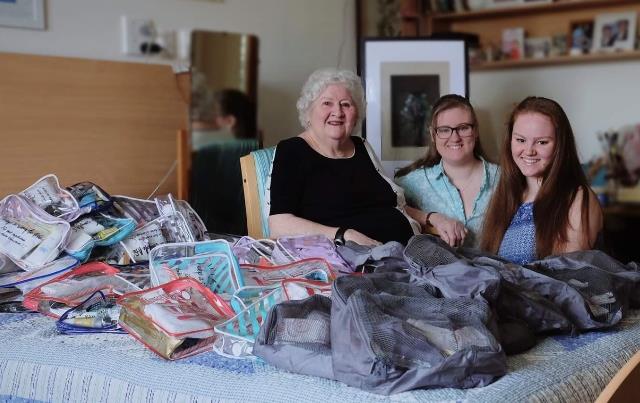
{"x": 339, "y": 238}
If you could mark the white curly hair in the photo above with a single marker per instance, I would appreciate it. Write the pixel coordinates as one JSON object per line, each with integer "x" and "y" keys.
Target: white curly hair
{"x": 319, "y": 80}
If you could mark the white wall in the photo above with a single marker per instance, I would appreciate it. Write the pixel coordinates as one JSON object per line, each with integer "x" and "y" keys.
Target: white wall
{"x": 595, "y": 96}
{"x": 296, "y": 37}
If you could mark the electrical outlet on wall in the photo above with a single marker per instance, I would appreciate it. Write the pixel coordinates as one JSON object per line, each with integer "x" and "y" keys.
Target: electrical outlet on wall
{"x": 135, "y": 33}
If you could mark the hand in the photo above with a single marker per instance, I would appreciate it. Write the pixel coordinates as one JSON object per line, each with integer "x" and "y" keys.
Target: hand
{"x": 451, "y": 231}
{"x": 360, "y": 238}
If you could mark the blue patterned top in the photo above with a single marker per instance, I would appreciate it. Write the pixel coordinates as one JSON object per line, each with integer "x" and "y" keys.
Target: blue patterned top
{"x": 519, "y": 241}
{"x": 429, "y": 189}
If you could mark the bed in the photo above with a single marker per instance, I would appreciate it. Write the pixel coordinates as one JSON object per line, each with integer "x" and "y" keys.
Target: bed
{"x": 38, "y": 364}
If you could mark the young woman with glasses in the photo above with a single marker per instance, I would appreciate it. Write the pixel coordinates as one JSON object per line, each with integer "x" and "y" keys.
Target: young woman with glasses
{"x": 449, "y": 188}
{"x": 542, "y": 204}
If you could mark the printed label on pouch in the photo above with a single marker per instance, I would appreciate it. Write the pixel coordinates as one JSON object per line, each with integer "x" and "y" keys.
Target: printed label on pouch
{"x": 19, "y": 239}
{"x": 42, "y": 194}
{"x": 143, "y": 240}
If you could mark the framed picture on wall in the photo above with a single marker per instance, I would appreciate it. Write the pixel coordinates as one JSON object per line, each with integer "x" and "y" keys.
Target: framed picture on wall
{"x": 403, "y": 79}
{"x": 22, "y": 14}
{"x": 614, "y": 31}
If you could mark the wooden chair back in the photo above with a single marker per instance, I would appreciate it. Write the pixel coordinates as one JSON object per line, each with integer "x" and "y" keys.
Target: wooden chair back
{"x": 251, "y": 197}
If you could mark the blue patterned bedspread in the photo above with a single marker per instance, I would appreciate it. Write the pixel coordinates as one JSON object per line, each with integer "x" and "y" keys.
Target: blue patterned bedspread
{"x": 37, "y": 364}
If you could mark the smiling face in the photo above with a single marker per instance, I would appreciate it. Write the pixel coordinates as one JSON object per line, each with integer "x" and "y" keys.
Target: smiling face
{"x": 333, "y": 114}
{"x": 533, "y": 142}
{"x": 455, "y": 149}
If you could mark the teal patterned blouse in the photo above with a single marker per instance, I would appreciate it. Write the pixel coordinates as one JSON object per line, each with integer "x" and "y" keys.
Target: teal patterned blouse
{"x": 429, "y": 189}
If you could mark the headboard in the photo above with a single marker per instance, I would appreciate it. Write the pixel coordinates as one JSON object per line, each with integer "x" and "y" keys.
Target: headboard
{"x": 112, "y": 123}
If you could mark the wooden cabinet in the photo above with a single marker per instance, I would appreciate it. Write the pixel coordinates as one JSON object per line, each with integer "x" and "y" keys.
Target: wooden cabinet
{"x": 538, "y": 20}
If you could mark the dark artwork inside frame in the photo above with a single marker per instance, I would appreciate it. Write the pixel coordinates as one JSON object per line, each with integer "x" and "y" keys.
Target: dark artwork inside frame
{"x": 412, "y": 97}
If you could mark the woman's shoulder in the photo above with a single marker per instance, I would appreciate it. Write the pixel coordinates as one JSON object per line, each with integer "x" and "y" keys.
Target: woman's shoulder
{"x": 291, "y": 142}
{"x": 293, "y": 146}
{"x": 575, "y": 211}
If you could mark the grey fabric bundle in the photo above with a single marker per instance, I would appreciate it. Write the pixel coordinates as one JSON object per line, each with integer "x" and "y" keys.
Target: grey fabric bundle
{"x": 386, "y": 336}
{"x": 575, "y": 291}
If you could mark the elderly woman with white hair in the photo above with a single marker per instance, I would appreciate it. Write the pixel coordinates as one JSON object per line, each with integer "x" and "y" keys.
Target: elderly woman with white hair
{"x": 327, "y": 181}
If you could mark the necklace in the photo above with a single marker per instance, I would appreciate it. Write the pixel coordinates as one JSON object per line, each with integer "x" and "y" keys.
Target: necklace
{"x": 314, "y": 144}
{"x": 465, "y": 184}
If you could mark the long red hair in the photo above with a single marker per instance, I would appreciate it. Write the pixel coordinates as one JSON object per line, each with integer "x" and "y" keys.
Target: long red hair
{"x": 560, "y": 184}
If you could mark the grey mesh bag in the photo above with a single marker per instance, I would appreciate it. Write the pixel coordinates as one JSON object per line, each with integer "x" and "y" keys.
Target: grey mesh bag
{"x": 296, "y": 337}
{"x": 388, "y": 336}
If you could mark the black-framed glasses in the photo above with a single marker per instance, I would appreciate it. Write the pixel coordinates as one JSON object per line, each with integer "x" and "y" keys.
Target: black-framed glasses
{"x": 463, "y": 130}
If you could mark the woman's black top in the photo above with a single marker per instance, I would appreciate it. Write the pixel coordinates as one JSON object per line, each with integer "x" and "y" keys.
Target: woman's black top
{"x": 345, "y": 192}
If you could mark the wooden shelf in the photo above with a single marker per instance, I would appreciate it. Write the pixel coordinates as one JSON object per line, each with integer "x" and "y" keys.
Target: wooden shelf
{"x": 490, "y": 13}
{"x": 558, "y": 60}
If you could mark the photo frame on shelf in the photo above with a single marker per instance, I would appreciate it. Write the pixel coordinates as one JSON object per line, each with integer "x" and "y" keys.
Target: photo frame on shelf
{"x": 537, "y": 47}
{"x": 504, "y": 3}
{"x": 22, "y": 14}
{"x": 403, "y": 78}
{"x": 614, "y": 31}
{"x": 580, "y": 37}
{"x": 513, "y": 43}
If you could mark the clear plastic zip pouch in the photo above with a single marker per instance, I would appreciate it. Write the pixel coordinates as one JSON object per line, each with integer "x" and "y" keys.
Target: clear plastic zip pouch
{"x": 176, "y": 319}
{"x": 56, "y": 296}
{"x": 96, "y": 229}
{"x": 254, "y": 251}
{"x": 47, "y": 194}
{"x": 96, "y": 314}
{"x": 91, "y": 197}
{"x": 28, "y": 235}
{"x": 290, "y": 249}
{"x": 145, "y": 211}
{"x": 306, "y": 269}
{"x": 25, "y": 281}
{"x": 211, "y": 262}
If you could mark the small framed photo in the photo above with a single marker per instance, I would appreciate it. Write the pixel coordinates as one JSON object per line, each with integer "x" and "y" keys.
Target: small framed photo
{"x": 513, "y": 43}
{"x": 504, "y": 3}
{"x": 559, "y": 45}
{"x": 614, "y": 31}
{"x": 580, "y": 37}
{"x": 537, "y": 48}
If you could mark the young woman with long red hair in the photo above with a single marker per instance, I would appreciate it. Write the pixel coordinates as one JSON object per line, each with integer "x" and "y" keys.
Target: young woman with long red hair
{"x": 542, "y": 204}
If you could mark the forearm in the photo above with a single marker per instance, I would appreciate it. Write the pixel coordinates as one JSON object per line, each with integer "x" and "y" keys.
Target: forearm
{"x": 289, "y": 224}
{"x": 416, "y": 214}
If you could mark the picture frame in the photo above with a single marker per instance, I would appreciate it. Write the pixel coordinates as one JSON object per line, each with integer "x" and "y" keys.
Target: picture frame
{"x": 403, "y": 78}
{"x": 580, "y": 37}
{"x": 513, "y": 43}
{"x": 614, "y": 31}
{"x": 22, "y": 14}
{"x": 537, "y": 47}
{"x": 504, "y": 3}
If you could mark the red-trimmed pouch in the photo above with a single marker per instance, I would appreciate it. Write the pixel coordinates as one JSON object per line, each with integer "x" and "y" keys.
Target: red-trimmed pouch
{"x": 176, "y": 319}
{"x": 58, "y": 295}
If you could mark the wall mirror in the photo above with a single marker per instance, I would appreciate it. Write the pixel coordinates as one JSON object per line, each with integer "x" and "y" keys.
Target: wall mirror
{"x": 223, "y": 125}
